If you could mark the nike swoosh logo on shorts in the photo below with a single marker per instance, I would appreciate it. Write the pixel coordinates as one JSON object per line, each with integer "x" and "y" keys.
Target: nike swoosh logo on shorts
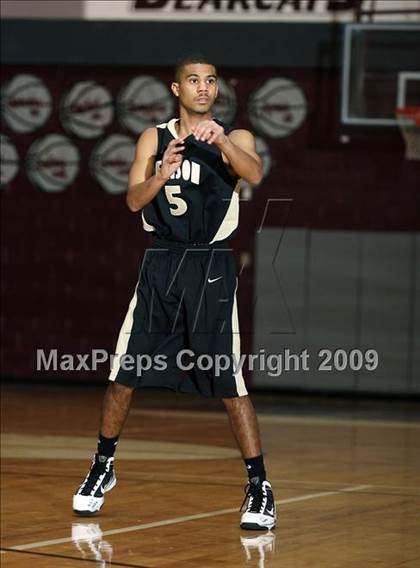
{"x": 210, "y": 280}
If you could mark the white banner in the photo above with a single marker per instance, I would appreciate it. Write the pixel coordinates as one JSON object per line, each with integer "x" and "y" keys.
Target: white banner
{"x": 275, "y": 11}
{"x": 250, "y": 10}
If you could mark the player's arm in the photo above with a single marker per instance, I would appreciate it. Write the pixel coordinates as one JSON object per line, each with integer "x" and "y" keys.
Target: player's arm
{"x": 238, "y": 148}
{"x": 143, "y": 182}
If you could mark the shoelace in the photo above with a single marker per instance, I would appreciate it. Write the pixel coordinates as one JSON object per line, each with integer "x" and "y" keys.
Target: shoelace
{"x": 97, "y": 470}
{"x": 256, "y": 493}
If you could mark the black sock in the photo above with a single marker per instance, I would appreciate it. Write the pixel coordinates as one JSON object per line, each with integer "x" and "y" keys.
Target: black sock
{"x": 107, "y": 446}
{"x": 255, "y": 469}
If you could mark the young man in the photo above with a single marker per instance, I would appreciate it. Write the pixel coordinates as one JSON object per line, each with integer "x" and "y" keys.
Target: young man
{"x": 184, "y": 179}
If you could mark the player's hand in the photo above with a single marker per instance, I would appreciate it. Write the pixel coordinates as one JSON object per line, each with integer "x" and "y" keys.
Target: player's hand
{"x": 209, "y": 131}
{"x": 172, "y": 158}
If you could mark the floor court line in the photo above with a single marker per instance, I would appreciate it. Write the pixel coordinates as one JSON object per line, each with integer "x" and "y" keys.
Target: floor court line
{"x": 77, "y": 559}
{"x": 233, "y": 481}
{"x": 176, "y": 520}
{"x": 285, "y": 419}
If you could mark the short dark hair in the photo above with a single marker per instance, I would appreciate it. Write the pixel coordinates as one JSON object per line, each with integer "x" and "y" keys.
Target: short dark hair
{"x": 188, "y": 60}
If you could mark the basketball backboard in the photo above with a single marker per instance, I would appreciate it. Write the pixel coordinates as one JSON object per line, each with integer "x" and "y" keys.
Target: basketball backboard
{"x": 380, "y": 72}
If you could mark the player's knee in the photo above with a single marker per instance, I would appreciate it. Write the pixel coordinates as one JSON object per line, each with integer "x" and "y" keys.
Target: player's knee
{"x": 236, "y": 401}
{"x": 118, "y": 391}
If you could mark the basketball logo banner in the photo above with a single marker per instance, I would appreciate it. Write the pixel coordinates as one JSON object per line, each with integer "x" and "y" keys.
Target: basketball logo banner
{"x": 277, "y": 108}
{"x": 9, "y": 164}
{"x": 25, "y": 103}
{"x": 52, "y": 163}
{"x": 110, "y": 162}
{"x": 225, "y": 106}
{"x": 86, "y": 109}
{"x": 144, "y": 102}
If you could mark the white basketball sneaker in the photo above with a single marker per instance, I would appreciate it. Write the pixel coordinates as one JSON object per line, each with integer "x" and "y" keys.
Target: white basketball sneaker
{"x": 260, "y": 513}
{"x": 89, "y": 498}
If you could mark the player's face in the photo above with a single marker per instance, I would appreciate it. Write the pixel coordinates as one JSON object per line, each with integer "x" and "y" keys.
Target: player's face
{"x": 197, "y": 87}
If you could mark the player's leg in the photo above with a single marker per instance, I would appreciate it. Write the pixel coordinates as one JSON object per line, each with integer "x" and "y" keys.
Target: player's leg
{"x": 244, "y": 425}
{"x": 136, "y": 339}
{"x": 101, "y": 478}
{"x": 260, "y": 510}
{"x": 214, "y": 330}
{"x": 115, "y": 408}
{"x": 89, "y": 498}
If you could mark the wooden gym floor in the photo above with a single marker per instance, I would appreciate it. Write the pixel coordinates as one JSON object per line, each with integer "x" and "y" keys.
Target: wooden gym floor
{"x": 345, "y": 476}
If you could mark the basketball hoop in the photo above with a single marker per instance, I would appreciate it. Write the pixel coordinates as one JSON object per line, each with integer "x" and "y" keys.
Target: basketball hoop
{"x": 409, "y": 122}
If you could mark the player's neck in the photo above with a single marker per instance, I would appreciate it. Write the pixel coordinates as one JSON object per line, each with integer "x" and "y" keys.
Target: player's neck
{"x": 188, "y": 121}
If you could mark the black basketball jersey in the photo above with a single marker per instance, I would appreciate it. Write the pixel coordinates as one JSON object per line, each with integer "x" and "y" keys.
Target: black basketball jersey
{"x": 200, "y": 202}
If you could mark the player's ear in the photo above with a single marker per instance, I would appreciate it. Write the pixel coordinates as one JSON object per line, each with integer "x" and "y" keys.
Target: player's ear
{"x": 175, "y": 89}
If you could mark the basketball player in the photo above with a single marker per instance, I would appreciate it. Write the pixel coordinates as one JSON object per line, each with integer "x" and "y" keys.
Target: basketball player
{"x": 184, "y": 179}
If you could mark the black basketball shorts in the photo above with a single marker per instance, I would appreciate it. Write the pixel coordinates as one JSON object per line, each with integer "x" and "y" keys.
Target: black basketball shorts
{"x": 181, "y": 330}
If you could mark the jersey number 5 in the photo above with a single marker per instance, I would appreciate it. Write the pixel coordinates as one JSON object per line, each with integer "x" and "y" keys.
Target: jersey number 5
{"x": 177, "y": 205}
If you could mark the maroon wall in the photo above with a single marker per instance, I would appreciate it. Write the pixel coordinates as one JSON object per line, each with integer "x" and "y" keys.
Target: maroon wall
{"x": 70, "y": 259}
